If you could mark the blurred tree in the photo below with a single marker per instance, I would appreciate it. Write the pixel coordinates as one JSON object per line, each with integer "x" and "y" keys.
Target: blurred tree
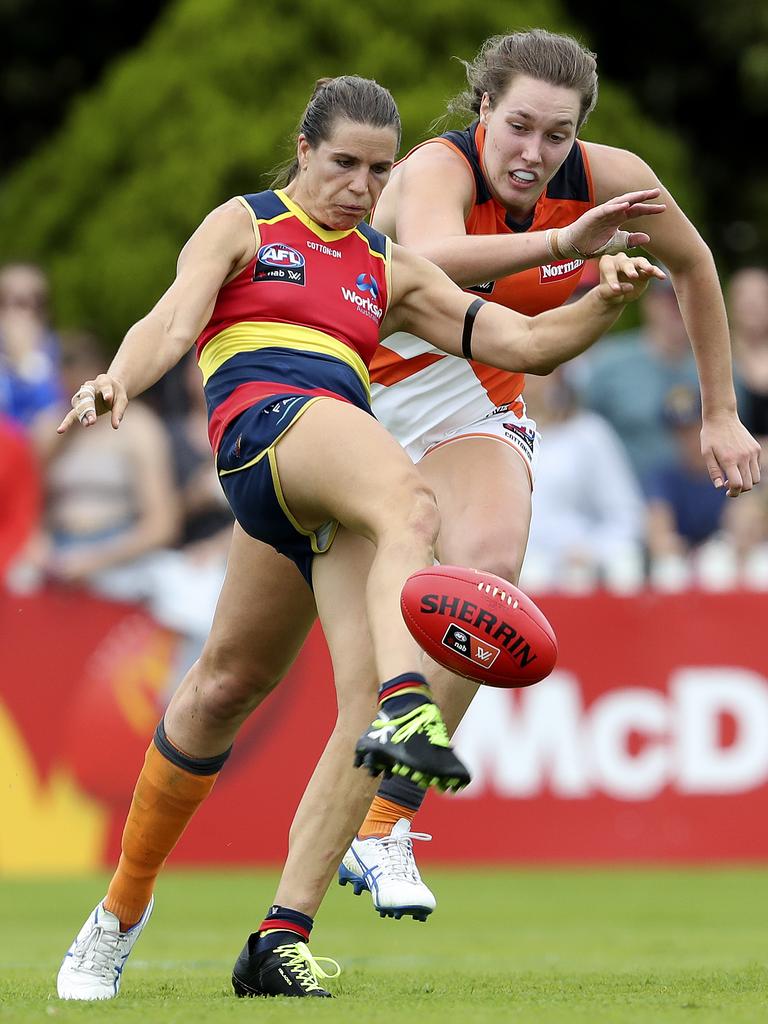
{"x": 210, "y": 102}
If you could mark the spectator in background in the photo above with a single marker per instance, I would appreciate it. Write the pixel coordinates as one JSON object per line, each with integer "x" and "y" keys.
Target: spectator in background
{"x": 744, "y": 534}
{"x": 737, "y": 555}
{"x": 748, "y": 314}
{"x": 20, "y": 496}
{"x": 588, "y": 520}
{"x": 30, "y": 391}
{"x": 684, "y": 510}
{"x": 113, "y": 514}
{"x": 194, "y": 573}
{"x": 110, "y": 498}
{"x": 628, "y": 375}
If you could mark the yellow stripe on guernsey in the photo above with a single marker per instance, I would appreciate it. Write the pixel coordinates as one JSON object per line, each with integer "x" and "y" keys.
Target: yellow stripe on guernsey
{"x": 251, "y": 336}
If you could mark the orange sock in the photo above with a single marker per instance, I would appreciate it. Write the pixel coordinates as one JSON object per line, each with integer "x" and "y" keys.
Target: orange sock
{"x": 382, "y": 816}
{"x": 164, "y": 800}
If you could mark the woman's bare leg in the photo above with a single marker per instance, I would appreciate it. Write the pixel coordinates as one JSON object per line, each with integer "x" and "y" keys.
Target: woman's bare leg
{"x": 246, "y": 653}
{"x": 337, "y": 796}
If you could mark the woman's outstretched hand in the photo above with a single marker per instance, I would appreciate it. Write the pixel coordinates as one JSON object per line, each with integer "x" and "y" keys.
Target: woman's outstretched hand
{"x": 92, "y": 399}
{"x": 624, "y": 278}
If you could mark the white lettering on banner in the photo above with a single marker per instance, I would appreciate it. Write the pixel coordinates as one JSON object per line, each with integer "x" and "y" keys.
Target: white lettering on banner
{"x": 611, "y": 721}
{"x": 702, "y": 696}
{"x": 521, "y": 750}
{"x": 521, "y": 743}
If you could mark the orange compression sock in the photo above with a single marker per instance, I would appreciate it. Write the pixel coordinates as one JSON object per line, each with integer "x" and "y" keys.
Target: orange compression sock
{"x": 170, "y": 788}
{"x": 382, "y": 816}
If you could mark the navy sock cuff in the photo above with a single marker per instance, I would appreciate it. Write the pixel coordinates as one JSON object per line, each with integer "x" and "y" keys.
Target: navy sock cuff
{"x": 405, "y": 681}
{"x": 286, "y": 920}
{"x": 402, "y": 791}
{"x": 193, "y": 765}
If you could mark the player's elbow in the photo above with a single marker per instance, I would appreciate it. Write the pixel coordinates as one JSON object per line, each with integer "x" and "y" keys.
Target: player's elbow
{"x": 515, "y": 348}
{"x": 542, "y": 368}
{"x": 537, "y": 359}
{"x": 176, "y": 332}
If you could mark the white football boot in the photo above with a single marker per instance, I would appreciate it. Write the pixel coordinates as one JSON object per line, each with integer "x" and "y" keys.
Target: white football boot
{"x": 93, "y": 965}
{"x": 386, "y": 868}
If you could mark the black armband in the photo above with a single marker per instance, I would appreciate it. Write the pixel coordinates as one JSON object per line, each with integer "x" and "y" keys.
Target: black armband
{"x": 469, "y": 323}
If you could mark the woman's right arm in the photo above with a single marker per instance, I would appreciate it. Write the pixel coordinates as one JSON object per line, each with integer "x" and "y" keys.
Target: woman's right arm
{"x": 425, "y": 302}
{"x": 409, "y": 212}
{"x": 220, "y": 247}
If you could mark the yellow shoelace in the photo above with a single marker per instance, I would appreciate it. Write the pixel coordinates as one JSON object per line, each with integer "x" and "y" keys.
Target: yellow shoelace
{"x": 305, "y": 967}
{"x": 426, "y": 717}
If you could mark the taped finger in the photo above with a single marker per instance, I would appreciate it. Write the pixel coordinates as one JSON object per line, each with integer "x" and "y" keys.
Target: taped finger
{"x": 616, "y": 244}
{"x": 84, "y": 403}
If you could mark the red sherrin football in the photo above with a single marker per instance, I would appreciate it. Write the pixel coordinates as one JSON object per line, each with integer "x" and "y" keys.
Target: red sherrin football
{"x": 478, "y": 625}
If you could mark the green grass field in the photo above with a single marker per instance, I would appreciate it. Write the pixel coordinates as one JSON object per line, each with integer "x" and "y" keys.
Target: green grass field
{"x": 540, "y": 946}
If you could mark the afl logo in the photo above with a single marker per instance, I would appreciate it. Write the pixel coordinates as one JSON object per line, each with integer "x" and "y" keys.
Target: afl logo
{"x": 277, "y": 261}
{"x": 276, "y": 254}
{"x": 368, "y": 283}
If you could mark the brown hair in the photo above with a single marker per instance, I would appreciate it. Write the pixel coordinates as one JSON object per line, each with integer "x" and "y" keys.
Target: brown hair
{"x": 557, "y": 59}
{"x": 360, "y": 100}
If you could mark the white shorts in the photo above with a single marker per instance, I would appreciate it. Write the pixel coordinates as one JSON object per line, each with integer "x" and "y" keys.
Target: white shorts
{"x": 443, "y": 400}
{"x": 504, "y": 426}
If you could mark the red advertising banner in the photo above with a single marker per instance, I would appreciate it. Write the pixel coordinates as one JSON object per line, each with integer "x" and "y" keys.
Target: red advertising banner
{"x": 649, "y": 742}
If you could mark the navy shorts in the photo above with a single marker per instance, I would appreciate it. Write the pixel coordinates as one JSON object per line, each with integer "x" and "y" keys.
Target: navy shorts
{"x": 247, "y": 469}
{"x": 246, "y": 459}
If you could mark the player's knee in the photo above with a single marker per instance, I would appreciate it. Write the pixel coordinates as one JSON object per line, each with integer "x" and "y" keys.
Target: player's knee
{"x": 502, "y": 556}
{"x": 356, "y": 705}
{"x": 425, "y": 515}
{"x": 229, "y": 689}
{"x": 413, "y": 513}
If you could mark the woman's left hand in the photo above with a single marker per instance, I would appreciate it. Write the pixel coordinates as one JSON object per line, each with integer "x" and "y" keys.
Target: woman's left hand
{"x": 624, "y": 278}
{"x": 731, "y": 453}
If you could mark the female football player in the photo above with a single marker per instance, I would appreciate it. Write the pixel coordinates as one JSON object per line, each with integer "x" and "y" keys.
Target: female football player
{"x": 286, "y": 294}
{"x": 509, "y": 187}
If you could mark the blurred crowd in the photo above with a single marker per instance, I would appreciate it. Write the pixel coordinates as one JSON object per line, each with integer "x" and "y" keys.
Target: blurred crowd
{"x": 622, "y": 500}
{"x": 134, "y": 515}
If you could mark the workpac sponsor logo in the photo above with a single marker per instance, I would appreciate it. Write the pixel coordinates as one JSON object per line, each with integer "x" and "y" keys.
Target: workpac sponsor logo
{"x": 470, "y": 647}
{"x": 559, "y": 271}
{"x": 523, "y": 437}
{"x": 367, "y": 302}
{"x": 276, "y": 261}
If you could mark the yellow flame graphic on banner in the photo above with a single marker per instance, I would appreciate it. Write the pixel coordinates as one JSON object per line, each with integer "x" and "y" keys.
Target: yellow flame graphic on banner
{"x": 45, "y": 828}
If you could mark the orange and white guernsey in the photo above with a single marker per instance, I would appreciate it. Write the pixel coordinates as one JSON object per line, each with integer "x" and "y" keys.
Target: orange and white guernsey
{"x": 423, "y": 395}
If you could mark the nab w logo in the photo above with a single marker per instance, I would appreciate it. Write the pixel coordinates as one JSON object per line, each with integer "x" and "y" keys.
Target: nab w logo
{"x": 469, "y": 646}
{"x": 277, "y": 261}
{"x": 482, "y": 653}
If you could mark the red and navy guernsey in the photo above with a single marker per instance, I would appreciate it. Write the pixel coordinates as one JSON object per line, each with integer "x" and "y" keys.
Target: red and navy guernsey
{"x": 304, "y": 312}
